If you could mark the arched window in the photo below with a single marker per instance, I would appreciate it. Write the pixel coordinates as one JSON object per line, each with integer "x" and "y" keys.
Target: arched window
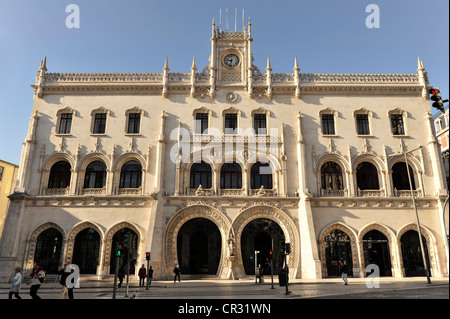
{"x": 367, "y": 176}
{"x": 201, "y": 175}
{"x": 261, "y": 175}
{"x": 131, "y": 175}
{"x": 231, "y": 176}
{"x": 59, "y": 175}
{"x": 331, "y": 176}
{"x": 95, "y": 176}
{"x": 338, "y": 248}
{"x": 400, "y": 176}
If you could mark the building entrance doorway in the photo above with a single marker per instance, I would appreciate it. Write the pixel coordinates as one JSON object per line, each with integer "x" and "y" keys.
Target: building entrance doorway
{"x": 263, "y": 235}
{"x": 376, "y": 251}
{"x": 199, "y": 247}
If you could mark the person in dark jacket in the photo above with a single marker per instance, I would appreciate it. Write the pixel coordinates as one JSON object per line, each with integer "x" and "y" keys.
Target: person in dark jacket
{"x": 142, "y": 274}
{"x": 343, "y": 270}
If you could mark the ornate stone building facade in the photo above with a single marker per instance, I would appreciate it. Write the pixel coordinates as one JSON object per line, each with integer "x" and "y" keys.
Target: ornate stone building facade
{"x": 202, "y": 169}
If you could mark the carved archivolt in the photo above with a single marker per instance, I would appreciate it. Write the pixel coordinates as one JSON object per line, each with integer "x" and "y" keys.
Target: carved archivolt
{"x": 353, "y": 239}
{"x": 286, "y": 223}
{"x": 180, "y": 218}
{"x": 74, "y": 232}
{"x": 431, "y": 245}
{"x": 32, "y": 241}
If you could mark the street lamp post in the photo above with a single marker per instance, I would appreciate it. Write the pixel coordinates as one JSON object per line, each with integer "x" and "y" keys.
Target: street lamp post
{"x": 417, "y": 214}
{"x": 256, "y": 266}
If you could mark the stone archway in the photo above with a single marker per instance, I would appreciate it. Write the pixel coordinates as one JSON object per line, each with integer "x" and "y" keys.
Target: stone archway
{"x": 285, "y": 222}
{"x": 179, "y": 219}
{"x": 32, "y": 241}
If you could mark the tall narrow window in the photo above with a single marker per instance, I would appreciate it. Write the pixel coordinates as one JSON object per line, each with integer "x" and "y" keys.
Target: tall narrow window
{"x": 260, "y": 123}
{"x": 59, "y": 175}
{"x": 100, "y": 123}
{"x": 65, "y": 123}
{"x": 131, "y": 175}
{"x": 328, "y": 124}
{"x": 230, "y": 123}
{"x": 362, "y": 124}
{"x": 134, "y": 123}
{"x": 201, "y": 123}
{"x": 95, "y": 176}
{"x": 1, "y": 173}
{"x": 397, "y": 125}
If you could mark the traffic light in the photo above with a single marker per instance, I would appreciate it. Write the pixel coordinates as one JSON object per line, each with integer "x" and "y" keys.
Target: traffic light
{"x": 288, "y": 248}
{"x": 436, "y": 97}
{"x": 119, "y": 252}
{"x": 147, "y": 255}
{"x": 282, "y": 247}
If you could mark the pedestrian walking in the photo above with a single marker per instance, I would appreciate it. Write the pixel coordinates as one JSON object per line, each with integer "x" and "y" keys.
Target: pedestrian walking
{"x": 120, "y": 275}
{"x": 176, "y": 270}
{"x": 344, "y": 270}
{"x": 142, "y": 274}
{"x": 62, "y": 282}
{"x": 150, "y": 275}
{"x": 16, "y": 282}
{"x": 37, "y": 277}
{"x": 66, "y": 293}
{"x": 260, "y": 274}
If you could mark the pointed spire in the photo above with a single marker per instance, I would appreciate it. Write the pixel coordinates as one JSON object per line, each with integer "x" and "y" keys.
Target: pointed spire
{"x": 166, "y": 64}
{"x": 268, "y": 64}
{"x": 420, "y": 64}
{"x": 296, "y": 68}
{"x": 193, "y": 67}
{"x": 249, "y": 27}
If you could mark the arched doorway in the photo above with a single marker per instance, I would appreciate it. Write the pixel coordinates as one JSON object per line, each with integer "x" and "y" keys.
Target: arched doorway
{"x": 199, "y": 246}
{"x": 120, "y": 240}
{"x": 376, "y": 251}
{"x": 86, "y": 251}
{"x": 412, "y": 254}
{"x": 337, "y": 248}
{"x": 48, "y": 250}
{"x": 263, "y": 235}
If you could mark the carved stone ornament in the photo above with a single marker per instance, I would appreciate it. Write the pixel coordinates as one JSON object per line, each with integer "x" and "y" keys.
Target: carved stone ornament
{"x": 231, "y": 97}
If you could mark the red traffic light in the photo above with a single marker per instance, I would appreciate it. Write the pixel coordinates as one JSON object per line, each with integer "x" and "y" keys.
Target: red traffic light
{"x": 147, "y": 255}
{"x": 434, "y": 91}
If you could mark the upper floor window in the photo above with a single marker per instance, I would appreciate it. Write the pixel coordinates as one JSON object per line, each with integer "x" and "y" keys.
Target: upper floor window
{"x": 231, "y": 176}
{"x": 397, "y": 125}
{"x": 131, "y": 175}
{"x": 400, "y": 176}
{"x": 99, "y": 118}
{"x": 261, "y": 175}
{"x": 59, "y": 175}
{"x": 95, "y": 176}
{"x": 65, "y": 123}
{"x": 367, "y": 176}
{"x": 134, "y": 123}
{"x": 260, "y": 123}
{"x": 362, "y": 124}
{"x": 1, "y": 173}
{"x": 328, "y": 124}
{"x": 231, "y": 123}
{"x": 331, "y": 176}
{"x": 100, "y": 123}
{"x": 201, "y": 174}
{"x": 201, "y": 123}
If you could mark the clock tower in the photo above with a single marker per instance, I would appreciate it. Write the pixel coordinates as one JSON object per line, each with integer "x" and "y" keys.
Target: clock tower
{"x": 231, "y": 58}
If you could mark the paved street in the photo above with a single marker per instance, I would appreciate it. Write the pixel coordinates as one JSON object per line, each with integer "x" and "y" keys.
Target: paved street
{"x": 408, "y": 288}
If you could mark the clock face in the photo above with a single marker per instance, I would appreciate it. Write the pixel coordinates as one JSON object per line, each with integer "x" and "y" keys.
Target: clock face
{"x": 231, "y": 60}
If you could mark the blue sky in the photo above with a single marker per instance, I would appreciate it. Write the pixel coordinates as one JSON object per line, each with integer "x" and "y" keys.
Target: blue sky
{"x": 135, "y": 36}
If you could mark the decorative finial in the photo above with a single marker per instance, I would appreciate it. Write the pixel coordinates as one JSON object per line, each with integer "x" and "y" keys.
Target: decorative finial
{"x": 268, "y": 64}
{"x": 166, "y": 64}
{"x": 193, "y": 67}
